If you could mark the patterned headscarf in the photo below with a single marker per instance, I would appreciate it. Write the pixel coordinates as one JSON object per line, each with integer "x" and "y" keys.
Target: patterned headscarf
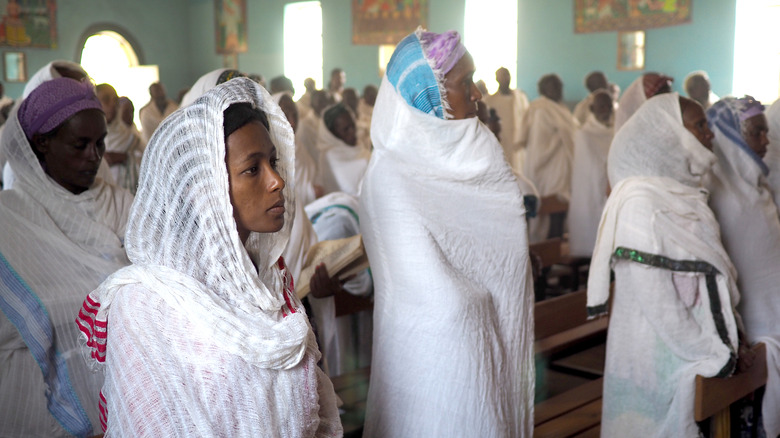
{"x": 418, "y": 66}
{"x": 727, "y": 114}
{"x": 54, "y": 102}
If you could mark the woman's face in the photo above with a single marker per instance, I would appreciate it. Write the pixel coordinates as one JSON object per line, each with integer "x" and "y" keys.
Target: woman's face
{"x": 344, "y": 128}
{"x": 255, "y": 185}
{"x": 695, "y": 121}
{"x": 72, "y": 156}
{"x": 754, "y": 131}
{"x": 462, "y": 94}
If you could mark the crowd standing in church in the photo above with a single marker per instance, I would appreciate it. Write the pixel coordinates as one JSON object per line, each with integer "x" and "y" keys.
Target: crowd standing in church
{"x": 174, "y": 252}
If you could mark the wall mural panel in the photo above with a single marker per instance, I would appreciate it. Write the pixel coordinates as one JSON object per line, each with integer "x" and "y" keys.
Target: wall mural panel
{"x": 386, "y": 21}
{"x": 628, "y": 15}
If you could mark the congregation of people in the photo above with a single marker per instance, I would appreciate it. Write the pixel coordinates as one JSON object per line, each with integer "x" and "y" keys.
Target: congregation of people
{"x": 149, "y": 277}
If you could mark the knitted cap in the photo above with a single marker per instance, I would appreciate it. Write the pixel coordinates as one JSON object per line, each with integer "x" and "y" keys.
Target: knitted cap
{"x": 54, "y": 102}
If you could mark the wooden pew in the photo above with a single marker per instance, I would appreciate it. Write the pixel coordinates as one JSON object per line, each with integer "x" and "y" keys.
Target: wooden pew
{"x": 561, "y": 323}
{"x": 715, "y": 395}
{"x": 574, "y": 413}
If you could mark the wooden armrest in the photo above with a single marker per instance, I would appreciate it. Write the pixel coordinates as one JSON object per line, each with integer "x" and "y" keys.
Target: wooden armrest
{"x": 568, "y": 338}
{"x": 714, "y": 394}
{"x": 573, "y": 423}
{"x": 350, "y": 379}
{"x": 568, "y": 401}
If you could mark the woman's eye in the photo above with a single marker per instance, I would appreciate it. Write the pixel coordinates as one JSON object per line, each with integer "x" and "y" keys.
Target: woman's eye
{"x": 274, "y": 163}
{"x": 251, "y": 171}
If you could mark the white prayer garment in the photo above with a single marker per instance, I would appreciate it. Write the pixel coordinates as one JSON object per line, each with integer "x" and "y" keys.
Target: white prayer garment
{"x": 151, "y": 116}
{"x": 206, "y": 336}
{"x": 127, "y": 140}
{"x": 341, "y": 166}
{"x": 549, "y": 149}
{"x": 743, "y": 204}
{"x": 510, "y": 108}
{"x": 56, "y": 247}
{"x": 334, "y": 216}
{"x": 444, "y": 227}
{"x": 363, "y": 122}
{"x": 588, "y": 185}
{"x": 672, "y": 315}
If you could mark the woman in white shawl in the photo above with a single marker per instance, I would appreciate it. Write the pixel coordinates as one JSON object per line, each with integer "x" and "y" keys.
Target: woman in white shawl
{"x": 746, "y": 211}
{"x": 61, "y": 234}
{"x": 342, "y": 162}
{"x": 444, "y": 227}
{"x": 345, "y": 341}
{"x": 203, "y": 334}
{"x": 549, "y": 146}
{"x": 52, "y": 70}
{"x": 643, "y": 88}
{"x": 589, "y": 183}
{"x": 772, "y": 158}
{"x": 672, "y": 315}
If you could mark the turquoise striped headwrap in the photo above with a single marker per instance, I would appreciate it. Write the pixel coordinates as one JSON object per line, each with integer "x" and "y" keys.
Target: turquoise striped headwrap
{"x": 418, "y": 66}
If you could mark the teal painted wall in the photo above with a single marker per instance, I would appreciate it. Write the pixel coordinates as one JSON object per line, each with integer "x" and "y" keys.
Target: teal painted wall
{"x": 178, "y": 35}
{"x": 547, "y": 43}
{"x": 160, "y": 29}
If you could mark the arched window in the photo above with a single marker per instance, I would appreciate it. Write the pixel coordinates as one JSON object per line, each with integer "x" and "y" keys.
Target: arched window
{"x": 303, "y": 44}
{"x": 108, "y": 57}
{"x": 492, "y": 39}
{"x": 757, "y": 50}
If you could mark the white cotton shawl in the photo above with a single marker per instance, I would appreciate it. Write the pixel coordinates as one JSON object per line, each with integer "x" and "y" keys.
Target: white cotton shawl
{"x": 588, "y": 185}
{"x": 61, "y": 245}
{"x": 663, "y": 331}
{"x": 363, "y": 123}
{"x": 305, "y": 168}
{"x": 341, "y": 166}
{"x": 772, "y": 157}
{"x": 444, "y": 227}
{"x": 549, "y": 149}
{"x": 190, "y": 263}
{"x": 630, "y": 101}
{"x": 127, "y": 140}
{"x": 746, "y": 211}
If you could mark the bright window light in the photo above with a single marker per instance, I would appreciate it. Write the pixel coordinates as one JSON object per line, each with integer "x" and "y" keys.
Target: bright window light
{"x": 303, "y": 44}
{"x": 757, "y": 50}
{"x": 109, "y": 58}
{"x": 492, "y": 38}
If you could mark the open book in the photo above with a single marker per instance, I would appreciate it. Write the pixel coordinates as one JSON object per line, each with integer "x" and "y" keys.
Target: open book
{"x": 342, "y": 257}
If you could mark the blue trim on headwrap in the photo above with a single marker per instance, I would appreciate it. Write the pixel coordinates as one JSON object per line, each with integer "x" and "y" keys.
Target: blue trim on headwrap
{"x": 725, "y": 116}
{"x": 413, "y": 78}
{"x": 27, "y": 313}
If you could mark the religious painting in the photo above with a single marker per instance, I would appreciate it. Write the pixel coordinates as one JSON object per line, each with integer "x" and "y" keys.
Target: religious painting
{"x": 628, "y": 15}
{"x": 14, "y": 67}
{"x": 230, "y": 25}
{"x": 377, "y": 22}
{"x": 28, "y": 23}
{"x": 631, "y": 50}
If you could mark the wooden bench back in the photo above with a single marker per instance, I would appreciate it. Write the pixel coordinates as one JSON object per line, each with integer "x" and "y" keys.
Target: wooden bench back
{"x": 548, "y": 250}
{"x": 551, "y": 204}
{"x": 559, "y": 314}
{"x": 347, "y": 304}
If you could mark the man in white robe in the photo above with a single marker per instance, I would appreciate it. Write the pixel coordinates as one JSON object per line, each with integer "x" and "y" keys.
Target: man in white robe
{"x": 510, "y": 106}
{"x": 589, "y": 183}
{"x": 154, "y": 112}
{"x": 697, "y": 87}
{"x": 124, "y": 146}
{"x": 304, "y": 103}
{"x": 595, "y": 80}
{"x": 549, "y": 148}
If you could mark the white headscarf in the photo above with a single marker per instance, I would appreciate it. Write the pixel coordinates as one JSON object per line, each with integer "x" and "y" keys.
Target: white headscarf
{"x": 341, "y": 166}
{"x": 772, "y": 157}
{"x": 206, "y": 83}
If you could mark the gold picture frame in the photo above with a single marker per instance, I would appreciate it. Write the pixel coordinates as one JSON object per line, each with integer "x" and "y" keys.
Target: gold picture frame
{"x": 631, "y": 50}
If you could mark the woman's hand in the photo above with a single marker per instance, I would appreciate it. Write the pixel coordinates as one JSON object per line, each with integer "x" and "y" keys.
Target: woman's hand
{"x": 322, "y": 285}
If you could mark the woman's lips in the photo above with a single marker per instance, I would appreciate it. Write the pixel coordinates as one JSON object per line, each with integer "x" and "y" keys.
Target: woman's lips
{"x": 277, "y": 208}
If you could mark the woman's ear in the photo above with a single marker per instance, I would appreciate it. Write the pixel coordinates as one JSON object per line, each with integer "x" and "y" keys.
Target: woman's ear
{"x": 40, "y": 144}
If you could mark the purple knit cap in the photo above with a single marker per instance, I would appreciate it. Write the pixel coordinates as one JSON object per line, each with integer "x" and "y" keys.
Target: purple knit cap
{"x": 444, "y": 50}
{"x": 54, "y": 102}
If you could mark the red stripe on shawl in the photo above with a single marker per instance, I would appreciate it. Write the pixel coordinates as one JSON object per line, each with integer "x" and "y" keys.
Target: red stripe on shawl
{"x": 289, "y": 286}
{"x": 102, "y": 405}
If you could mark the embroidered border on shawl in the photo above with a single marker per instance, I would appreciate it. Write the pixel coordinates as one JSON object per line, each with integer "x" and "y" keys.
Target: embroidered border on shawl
{"x": 330, "y": 207}
{"x": 28, "y": 314}
{"x": 658, "y": 261}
